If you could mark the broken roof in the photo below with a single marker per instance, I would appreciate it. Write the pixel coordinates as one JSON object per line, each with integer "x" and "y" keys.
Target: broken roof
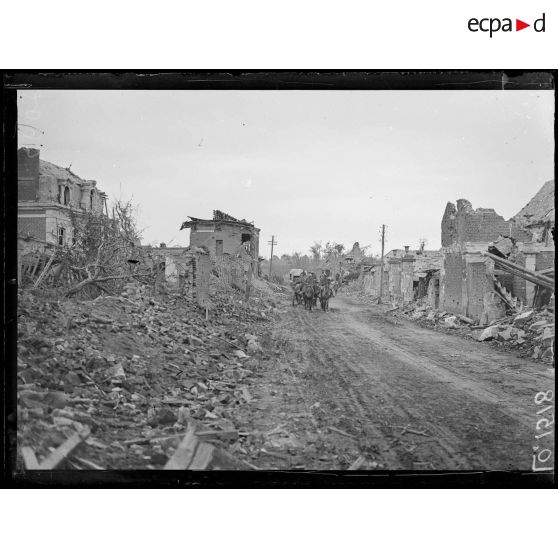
{"x": 540, "y": 209}
{"x": 60, "y": 173}
{"x": 217, "y": 216}
{"x": 50, "y": 169}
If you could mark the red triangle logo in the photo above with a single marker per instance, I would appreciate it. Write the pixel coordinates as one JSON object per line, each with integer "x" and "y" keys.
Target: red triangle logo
{"x": 519, "y": 25}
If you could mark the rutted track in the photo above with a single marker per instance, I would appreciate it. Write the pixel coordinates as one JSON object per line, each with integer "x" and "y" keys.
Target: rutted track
{"x": 371, "y": 376}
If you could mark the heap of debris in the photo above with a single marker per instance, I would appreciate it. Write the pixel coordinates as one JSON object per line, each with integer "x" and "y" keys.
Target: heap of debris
{"x": 118, "y": 381}
{"x": 531, "y": 333}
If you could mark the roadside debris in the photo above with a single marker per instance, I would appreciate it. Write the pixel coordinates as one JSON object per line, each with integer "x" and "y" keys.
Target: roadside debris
{"x": 58, "y": 455}
{"x": 339, "y": 431}
{"x": 136, "y": 369}
{"x": 194, "y": 454}
{"x": 530, "y": 333}
{"x": 358, "y": 464}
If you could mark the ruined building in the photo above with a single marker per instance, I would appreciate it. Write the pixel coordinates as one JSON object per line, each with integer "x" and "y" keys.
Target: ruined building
{"x": 47, "y": 194}
{"x": 405, "y": 274}
{"x": 224, "y": 235}
{"x": 538, "y": 216}
{"x": 469, "y": 284}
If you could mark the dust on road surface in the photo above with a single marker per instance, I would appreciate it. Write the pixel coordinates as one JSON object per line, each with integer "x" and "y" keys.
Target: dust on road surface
{"x": 353, "y": 379}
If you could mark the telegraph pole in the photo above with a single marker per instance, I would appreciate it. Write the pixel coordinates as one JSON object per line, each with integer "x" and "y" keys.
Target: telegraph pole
{"x": 273, "y": 243}
{"x": 382, "y": 265}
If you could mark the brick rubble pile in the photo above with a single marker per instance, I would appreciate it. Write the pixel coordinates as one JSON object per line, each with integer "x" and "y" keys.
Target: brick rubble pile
{"x": 136, "y": 369}
{"x": 531, "y": 333}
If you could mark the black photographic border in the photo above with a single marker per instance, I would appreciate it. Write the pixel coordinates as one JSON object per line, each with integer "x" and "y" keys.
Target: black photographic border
{"x": 234, "y": 80}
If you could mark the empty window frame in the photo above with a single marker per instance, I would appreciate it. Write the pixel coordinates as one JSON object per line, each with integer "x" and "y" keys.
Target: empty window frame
{"x": 61, "y": 236}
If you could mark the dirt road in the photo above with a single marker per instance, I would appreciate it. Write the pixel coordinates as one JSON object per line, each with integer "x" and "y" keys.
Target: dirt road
{"x": 354, "y": 378}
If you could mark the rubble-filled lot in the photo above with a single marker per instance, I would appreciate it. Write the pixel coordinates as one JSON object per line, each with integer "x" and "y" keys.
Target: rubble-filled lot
{"x": 136, "y": 370}
{"x": 530, "y": 334}
{"x": 145, "y": 381}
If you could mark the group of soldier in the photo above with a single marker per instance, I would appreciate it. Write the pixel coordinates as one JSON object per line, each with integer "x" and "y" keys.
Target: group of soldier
{"x": 307, "y": 289}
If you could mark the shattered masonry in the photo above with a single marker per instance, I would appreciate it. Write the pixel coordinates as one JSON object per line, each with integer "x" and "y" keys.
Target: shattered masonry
{"x": 460, "y": 278}
{"x": 406, "y": 274}
{"x": 467, "y": 278}
{"x": 47, "y": 193}
{"x": 224, "y": 235}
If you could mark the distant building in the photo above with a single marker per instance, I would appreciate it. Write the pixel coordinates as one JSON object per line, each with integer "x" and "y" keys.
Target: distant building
{"x": 47, "y": 195}
{"x": 424, "y": 260}
{"x": 406, "y": 274}
{"x": 224, "y": 235}
{"x": 295, "y": 273}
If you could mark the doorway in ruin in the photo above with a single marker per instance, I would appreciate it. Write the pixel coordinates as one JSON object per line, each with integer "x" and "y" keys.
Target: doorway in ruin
{"x": 218, "y": 247}
{"x": 246, "y": 240}
{"x": 416, "y": 290}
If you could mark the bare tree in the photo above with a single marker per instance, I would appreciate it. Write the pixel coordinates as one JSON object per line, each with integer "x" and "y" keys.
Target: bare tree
{"x": 104, "y": 252}
{"x": 316, "y": 251}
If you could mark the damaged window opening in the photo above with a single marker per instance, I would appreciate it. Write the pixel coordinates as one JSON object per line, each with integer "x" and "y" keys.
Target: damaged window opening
{"x": 66, "y": 196}
{"x": 61, "y": 236}
{"x": 59, "y": 193}
{"x": 91, "y": 199}
{"x": 246, "y": 240}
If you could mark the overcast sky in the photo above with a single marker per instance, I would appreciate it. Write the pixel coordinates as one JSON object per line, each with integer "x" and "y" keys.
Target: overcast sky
{"x": 303, "y": 165}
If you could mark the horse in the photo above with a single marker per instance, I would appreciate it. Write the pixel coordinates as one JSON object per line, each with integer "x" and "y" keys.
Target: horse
{"x": 334, "y": 287}
{"x": 325, "y": 294}
{"x": 297, "y": 295}
{"x": 316, "y": 294}
{"x": 308, "y": 296}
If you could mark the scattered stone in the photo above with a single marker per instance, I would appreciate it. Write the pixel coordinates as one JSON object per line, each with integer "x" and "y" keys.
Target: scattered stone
{"x": 165, "y": 416}
{"x": 254, "y": 347}
{"x": 117, "y": 372}
{"x": 506, "y": 334}
{"x": 489, "y": 333}
{"x": 55, "y": 399}
{"x": 451, "y": 322}
{"x": 523, "y": 318}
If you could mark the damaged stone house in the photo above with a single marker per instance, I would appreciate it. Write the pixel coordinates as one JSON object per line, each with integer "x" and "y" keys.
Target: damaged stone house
{"x": 470, "y": 283}
{"x": 225, "y": 236}
{"x": 47, "y": 195}
{"x": 405, "y": 274}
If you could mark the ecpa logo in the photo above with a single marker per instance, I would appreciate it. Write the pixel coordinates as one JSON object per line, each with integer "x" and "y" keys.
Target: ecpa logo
{"x": 494, "y": 24}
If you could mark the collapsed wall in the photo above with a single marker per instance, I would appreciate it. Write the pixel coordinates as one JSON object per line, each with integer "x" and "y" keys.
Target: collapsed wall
{"x": 462, "y": 224}
{"x": 467, "y": 278}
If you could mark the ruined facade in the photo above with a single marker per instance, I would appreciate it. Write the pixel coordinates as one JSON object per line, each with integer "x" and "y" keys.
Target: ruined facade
{"x": 462, "y": 224}
{"x": 405, "y": 274}
{"x": 467, "y": 277}
{"x": 224, "y": 235}
{"x": 538, "y": 216}
{"x": 47, "y": 194}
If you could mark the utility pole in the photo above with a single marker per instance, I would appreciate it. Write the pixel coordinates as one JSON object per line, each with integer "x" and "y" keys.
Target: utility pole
{"x": 273, "y": 243}
{"x": 382, "y": 265}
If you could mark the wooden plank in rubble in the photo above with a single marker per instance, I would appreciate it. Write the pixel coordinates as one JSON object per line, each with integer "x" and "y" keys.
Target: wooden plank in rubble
{"x": 184, "y": 454}
{"x": 64, "y": 450}
{"x": 44, "y": 272}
